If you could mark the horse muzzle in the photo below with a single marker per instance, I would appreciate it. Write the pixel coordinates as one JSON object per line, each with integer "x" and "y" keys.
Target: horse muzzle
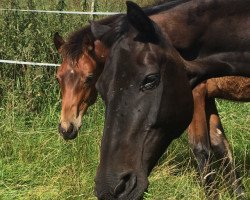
{"x": 124, "y": 186}
{"x": 68, "y": 133}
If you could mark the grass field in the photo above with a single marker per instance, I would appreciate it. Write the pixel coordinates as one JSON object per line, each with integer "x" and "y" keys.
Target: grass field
{"x": 35, "y": 162}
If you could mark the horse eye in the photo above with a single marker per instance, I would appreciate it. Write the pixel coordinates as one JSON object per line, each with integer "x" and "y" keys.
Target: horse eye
{"x": 150, "y": 82}
{"x": 89, "y": 78}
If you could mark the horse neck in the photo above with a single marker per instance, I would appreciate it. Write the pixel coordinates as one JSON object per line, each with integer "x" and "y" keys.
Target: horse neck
{"x": 217, "y": 65}
{"x": 186, "y": 23}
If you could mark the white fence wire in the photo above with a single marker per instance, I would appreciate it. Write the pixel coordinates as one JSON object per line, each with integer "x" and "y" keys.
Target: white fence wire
{"x": 53, "y": 12}
{"x": 63, "y": 12}
{"x": 29, "y": 63}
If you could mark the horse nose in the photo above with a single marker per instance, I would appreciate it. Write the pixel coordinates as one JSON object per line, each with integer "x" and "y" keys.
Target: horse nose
{"x": 121, "y": 186}
{"x": 126, "y": 183}
{"x": 63, "y": 130}
{"x": 68, "y": 133}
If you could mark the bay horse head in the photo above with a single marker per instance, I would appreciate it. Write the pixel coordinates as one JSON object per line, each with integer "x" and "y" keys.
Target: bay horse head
{"x": 82, "y": 62}
{"x": 147, "y": 90}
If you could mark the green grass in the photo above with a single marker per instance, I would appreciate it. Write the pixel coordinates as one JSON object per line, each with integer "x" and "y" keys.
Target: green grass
{"x": 35, "y": 162}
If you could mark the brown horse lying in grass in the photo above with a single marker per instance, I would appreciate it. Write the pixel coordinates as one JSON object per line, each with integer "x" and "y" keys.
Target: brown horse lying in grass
{"x": 77, "y": 78}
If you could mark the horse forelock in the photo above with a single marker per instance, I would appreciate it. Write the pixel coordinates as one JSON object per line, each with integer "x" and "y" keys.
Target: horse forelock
{"x": 77, "y": 43}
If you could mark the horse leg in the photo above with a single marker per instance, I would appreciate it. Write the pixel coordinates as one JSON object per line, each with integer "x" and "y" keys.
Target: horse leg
{"x": 198, "y": 135}
{"x": 221, "y": 148}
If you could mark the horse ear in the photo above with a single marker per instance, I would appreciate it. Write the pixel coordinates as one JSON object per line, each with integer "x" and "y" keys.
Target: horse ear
{"x": 98, "y": 29}
{"x": 58, "y": 41}
{"x": 140, "y": 21}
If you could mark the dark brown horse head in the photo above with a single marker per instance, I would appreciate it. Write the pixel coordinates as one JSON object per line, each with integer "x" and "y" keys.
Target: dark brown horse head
{"x": 82, "y": 59}
{"x": 147, "y": 89}
{"x": 148, "y": 104}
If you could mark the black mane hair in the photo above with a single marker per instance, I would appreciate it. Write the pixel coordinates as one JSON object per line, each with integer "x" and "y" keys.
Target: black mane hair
{"x": 162, "y": 5}
{"x": 83, "y": 38}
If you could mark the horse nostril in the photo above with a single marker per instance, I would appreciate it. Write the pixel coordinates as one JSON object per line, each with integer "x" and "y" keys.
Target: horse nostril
{"x": 126, "y": 184}
{"x": 120, "y": 188}
{"x": 61, "y": 129}
{"x": 68, "y": 134}
{"x": 71, "y": 128}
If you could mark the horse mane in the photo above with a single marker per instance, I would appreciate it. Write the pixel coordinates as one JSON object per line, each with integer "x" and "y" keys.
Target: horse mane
{"x": 120, "y": 26}
{"x": 83, "y": 38}
{"x": 73, "y": 47}
{"x": 163, "y": 5}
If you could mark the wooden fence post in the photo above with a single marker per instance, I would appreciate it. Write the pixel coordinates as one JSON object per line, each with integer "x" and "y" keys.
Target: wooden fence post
{"x": 84, "y": 5}
{"x": 93, "y": 3}
{"x": 61, "y": 6}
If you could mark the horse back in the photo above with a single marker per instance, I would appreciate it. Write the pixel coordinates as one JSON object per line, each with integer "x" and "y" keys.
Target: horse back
{"x": 230, "y": 87}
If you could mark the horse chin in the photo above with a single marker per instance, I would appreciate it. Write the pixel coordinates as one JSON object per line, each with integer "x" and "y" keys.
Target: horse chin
{"x": 69, "y": 137}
